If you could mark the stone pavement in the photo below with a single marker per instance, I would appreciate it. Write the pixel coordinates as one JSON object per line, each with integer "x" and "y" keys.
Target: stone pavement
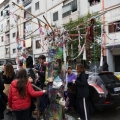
{"x": 112, "y": 114}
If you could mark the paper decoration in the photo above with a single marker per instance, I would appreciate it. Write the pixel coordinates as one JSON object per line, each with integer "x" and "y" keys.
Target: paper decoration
{"x": 101, "y": 59}
{"x": 79, "y": 52}
{"x": 84, "y": 54}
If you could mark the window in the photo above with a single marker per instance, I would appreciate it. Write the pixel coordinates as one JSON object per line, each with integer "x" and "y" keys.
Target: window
{"x": 55, "y": 16}
{"x": 66, "y": 10}
{"x": 18, "y": 1}
{"x": 93, "y": 2}
{"x": 69, "y": 8}
{"x": 1, "y": 13}
{"x": 7, "y": 50}
{"x": 38, "y": 44}
{"x": 27, "y": 14}
{"x": 2, "y": 39}
{"x": 14, "y": 35}
{"x": 74, "y": 5}
{"x": 14, "y": 50}
{"x": 37, "y": 6}
{"x": 114, "y": 27}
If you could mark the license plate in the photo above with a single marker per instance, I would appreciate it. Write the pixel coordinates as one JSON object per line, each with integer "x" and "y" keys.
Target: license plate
{"x": 117, "y": 89}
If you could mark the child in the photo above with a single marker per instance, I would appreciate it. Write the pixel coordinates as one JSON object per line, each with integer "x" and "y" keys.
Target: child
{"x": 19, "y": 98}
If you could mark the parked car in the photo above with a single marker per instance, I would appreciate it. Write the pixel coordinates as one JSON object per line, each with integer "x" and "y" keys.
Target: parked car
{"x": 104, "y": 91}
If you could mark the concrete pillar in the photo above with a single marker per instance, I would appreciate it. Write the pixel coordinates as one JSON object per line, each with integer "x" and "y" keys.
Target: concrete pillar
{"x": 110, "y": 60}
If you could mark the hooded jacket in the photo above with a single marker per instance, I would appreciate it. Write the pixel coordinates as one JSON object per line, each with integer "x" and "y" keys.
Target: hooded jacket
{"x": 16, "y": 102}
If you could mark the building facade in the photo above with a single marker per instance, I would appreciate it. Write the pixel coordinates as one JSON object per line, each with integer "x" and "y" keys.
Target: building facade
{"x": 58, "y": 13}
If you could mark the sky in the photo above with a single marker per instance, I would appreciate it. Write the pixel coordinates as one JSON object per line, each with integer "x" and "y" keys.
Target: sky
{"x": 1, "y": 1}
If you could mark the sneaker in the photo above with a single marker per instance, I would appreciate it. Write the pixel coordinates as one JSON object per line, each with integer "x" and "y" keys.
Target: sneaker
{"x": 9, "y": 113}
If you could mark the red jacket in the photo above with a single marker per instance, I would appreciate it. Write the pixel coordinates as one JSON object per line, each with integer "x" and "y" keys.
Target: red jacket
{"x": 17, "y": 103}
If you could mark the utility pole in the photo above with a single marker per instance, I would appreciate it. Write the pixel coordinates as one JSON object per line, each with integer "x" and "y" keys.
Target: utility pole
{"x": 103, "y": 21}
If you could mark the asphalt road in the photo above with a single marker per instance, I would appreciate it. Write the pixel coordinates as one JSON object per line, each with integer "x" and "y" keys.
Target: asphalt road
{"x": 113, "y": 114}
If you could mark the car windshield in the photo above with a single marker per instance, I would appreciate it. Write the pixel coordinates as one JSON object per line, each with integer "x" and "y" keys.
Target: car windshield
{"x": 108, "y": 78}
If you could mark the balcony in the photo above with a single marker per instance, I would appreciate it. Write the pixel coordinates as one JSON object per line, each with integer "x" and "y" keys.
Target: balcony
{"x": 7, "y": 28}
{"x": 7, "y": 42}
{"x": 26, "y": 2}
{"x": 95, "y": 8}
{"x": 7, "y": 55}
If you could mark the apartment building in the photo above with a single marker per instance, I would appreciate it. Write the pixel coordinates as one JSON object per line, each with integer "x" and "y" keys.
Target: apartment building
{"x": 58, "y": 13}
{"x": 4, "y": 31}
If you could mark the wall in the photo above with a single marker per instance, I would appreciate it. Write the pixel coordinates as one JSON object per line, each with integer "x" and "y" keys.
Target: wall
{"x": 109, "y": 3}
{"x": 112, "y": 16}
{"x": 110, "y": 60}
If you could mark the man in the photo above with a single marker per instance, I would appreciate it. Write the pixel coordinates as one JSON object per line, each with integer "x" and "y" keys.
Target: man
{"x": 41, "y": 70}
{"x": 71, "y": 89}
{"x": 82, "y": 93}
{"x": 29, "y": 59}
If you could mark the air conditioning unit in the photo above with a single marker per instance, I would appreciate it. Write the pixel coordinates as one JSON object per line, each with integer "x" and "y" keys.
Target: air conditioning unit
{"x": 53, "y": 24}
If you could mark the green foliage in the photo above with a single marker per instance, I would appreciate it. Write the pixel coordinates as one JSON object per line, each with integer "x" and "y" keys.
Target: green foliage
{"x": 95, "y": 47}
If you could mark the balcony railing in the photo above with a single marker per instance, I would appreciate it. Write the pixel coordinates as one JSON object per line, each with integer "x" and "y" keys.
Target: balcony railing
{"x": 7, "y": 55}
{"x": 7, "y": 28}
{"x": 7, "y": 41}
{"x": 26, "y": 2}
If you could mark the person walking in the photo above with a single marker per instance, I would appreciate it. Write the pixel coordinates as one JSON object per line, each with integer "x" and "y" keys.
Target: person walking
{"x": 82, "y": 93}
{"x": 20, "y": 93}
{"x": 8, "y": 77}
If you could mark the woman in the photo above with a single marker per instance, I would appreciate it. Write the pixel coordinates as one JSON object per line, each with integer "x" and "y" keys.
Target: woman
{"x": 3, "y": 99}
{"x": 82, "y": 93}
{"x": 20, "y": 93}
{"x": 8, "y": 77}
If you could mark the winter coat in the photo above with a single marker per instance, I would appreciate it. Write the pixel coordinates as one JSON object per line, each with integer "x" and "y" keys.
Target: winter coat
{"x": 16, "y": 102}
{"x": 82, "y": 85}
{"x": 29, "y": 62}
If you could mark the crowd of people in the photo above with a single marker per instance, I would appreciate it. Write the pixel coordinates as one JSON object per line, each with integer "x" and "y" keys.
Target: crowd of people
{"x": 17, "y": 93}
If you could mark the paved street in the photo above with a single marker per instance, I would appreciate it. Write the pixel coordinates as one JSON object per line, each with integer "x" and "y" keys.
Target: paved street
{"x": 105, "y": 115}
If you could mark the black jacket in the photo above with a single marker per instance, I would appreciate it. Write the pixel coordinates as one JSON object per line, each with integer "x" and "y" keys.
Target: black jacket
{"x": 41, "y": 73}
{"x": 82, "y": 85}
{"x": 29, "y": 62}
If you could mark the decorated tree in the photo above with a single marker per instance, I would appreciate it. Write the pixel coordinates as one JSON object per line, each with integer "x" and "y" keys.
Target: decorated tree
{"x": 94, "y": 45}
